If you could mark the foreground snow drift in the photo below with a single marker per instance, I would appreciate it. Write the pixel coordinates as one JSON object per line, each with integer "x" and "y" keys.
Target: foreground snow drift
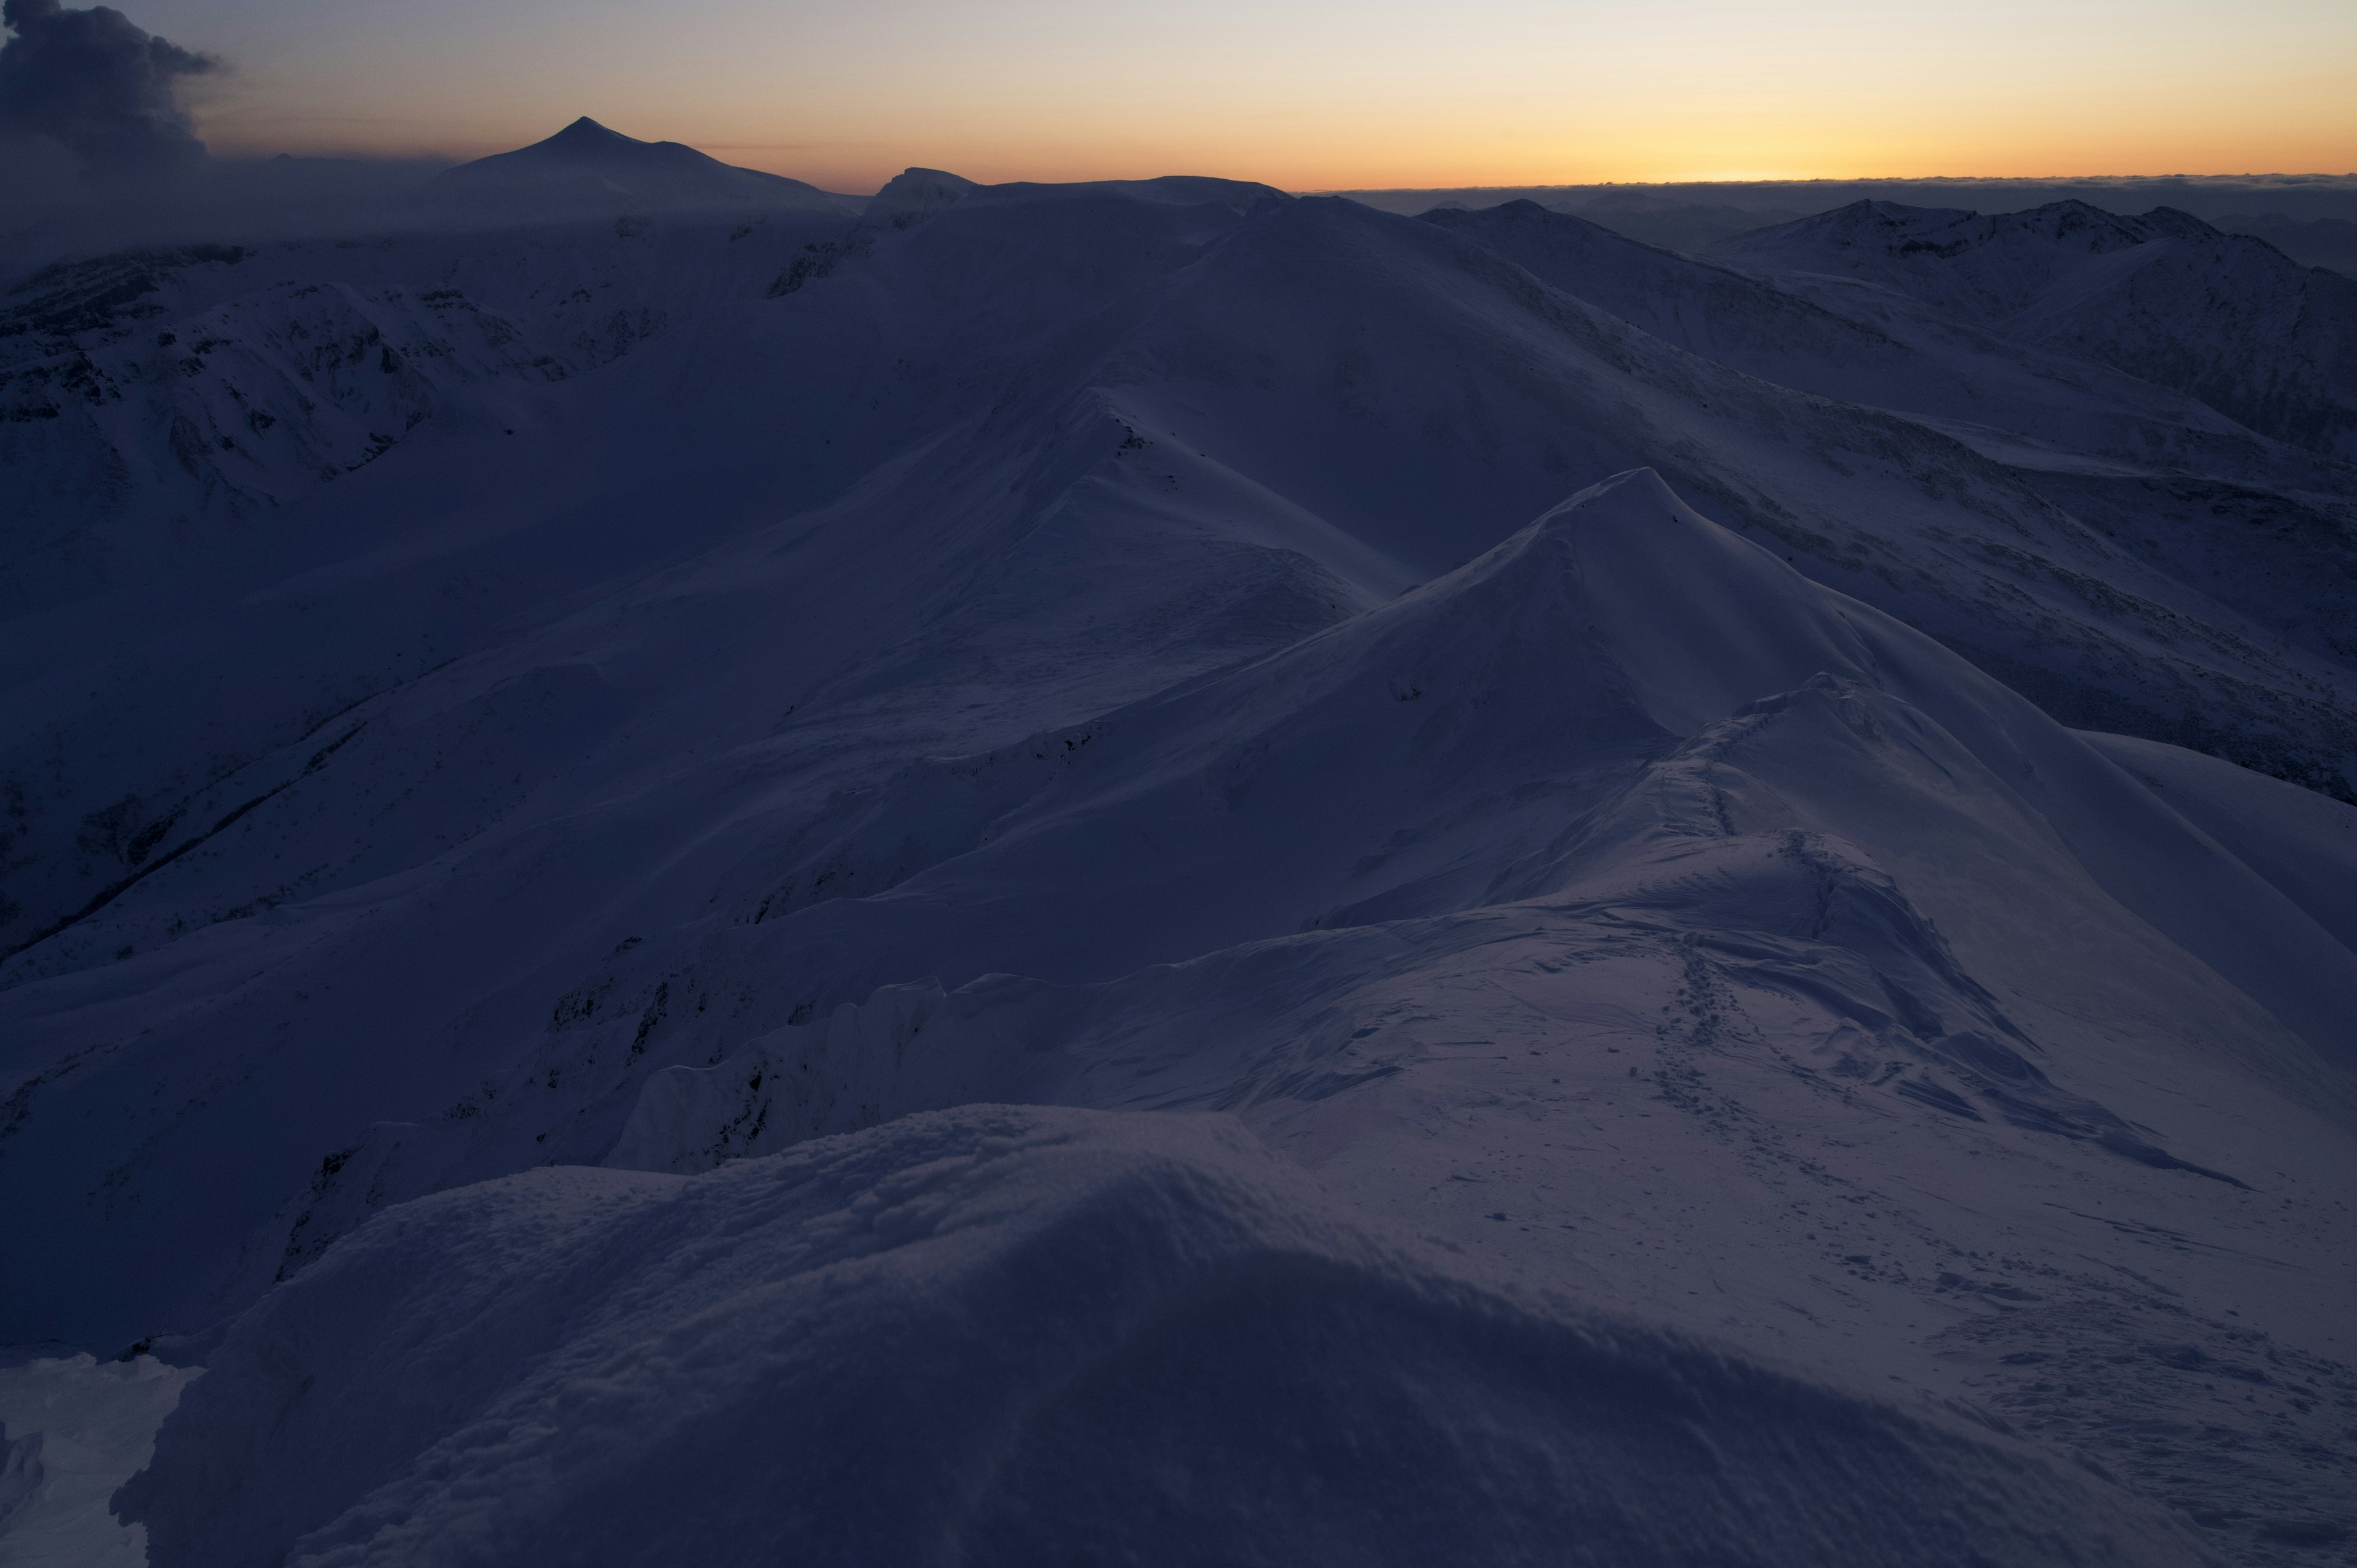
{"x": 1012, "y": 1335}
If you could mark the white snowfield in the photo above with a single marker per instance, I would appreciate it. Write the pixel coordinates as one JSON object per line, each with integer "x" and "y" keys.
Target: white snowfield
{"x": 1006, "y": 1335}
{"x": 1149, "y": 872}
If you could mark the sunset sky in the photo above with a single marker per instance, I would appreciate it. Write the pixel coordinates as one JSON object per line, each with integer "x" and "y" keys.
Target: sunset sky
{"x": 1307, "y": 94}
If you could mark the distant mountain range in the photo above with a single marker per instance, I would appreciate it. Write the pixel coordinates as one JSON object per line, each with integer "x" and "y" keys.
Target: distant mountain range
{"x": 2312, "y": 241}
{"x": 2310, "y": 219}
{"x": 2163, "y": 296}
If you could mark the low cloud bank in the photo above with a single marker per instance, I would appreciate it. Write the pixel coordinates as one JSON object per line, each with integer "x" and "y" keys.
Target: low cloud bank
{"x": 98, "y": 150}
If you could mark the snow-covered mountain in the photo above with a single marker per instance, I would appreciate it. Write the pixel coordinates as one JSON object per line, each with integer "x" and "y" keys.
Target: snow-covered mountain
{"x": 586, "y": 165}
{"x": 213, "y": 379}
{"x": 1700, "y": 838}
{"x": 2003, "y": 396}
{"x": 2226, "y": 318}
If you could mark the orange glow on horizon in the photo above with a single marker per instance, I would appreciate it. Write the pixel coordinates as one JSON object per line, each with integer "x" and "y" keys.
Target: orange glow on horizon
{"x": 861, "y": 170}
{"x": 1305, "y": 96}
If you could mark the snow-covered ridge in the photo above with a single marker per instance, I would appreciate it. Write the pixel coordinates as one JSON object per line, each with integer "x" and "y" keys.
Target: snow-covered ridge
{"x": 1967, "y": 380}
{"x": 2227, "y": 318}
{"x": 1586, "y": 751}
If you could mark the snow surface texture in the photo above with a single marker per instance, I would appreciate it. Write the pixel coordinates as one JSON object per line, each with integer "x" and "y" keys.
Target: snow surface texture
{"x": 72, "y": 1430}
{"x": 1128, "y": 648}
{"x": 1009, "y": 1336}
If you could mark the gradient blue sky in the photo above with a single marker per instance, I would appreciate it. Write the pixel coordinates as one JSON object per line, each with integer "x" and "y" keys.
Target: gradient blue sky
{"x": 1308, "y": 94}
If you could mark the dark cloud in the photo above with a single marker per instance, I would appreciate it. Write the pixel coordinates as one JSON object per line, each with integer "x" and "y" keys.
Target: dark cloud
{"x": 100, "y": 87}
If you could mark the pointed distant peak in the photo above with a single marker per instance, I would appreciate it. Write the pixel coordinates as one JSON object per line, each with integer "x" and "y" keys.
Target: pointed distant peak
{"x": 594, "y": 164}
{"x": 585, "y": 133}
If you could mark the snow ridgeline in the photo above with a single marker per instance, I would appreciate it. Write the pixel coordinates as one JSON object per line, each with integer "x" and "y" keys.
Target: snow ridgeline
{"x": 1008, "y": 1335}
{"x": 1695, "y": 740}
{"x": 992, "y": 669}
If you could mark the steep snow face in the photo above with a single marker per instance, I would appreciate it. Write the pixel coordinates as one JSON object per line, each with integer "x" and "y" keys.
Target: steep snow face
{"x": 587, "y": 165}
{"x": 2227, "y": 318}
{"x": 921, "y": 1345}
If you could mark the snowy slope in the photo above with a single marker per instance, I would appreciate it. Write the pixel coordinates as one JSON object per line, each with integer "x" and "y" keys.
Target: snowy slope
{"x": 917, "y": 1346}
{"x": 1091, "y": 647}
{"x": 2232, "y": 685}
{"x": 2151, "y": 468}
{"x": 2002, "y": 396}
{"x": 2225, "y": 317}
{"x": 223, "y": 377}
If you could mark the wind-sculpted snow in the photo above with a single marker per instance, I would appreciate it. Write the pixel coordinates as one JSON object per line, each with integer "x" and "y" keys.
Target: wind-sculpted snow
{"x": 1008, "y": 1335}
{"x": 1128, "y": 648}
